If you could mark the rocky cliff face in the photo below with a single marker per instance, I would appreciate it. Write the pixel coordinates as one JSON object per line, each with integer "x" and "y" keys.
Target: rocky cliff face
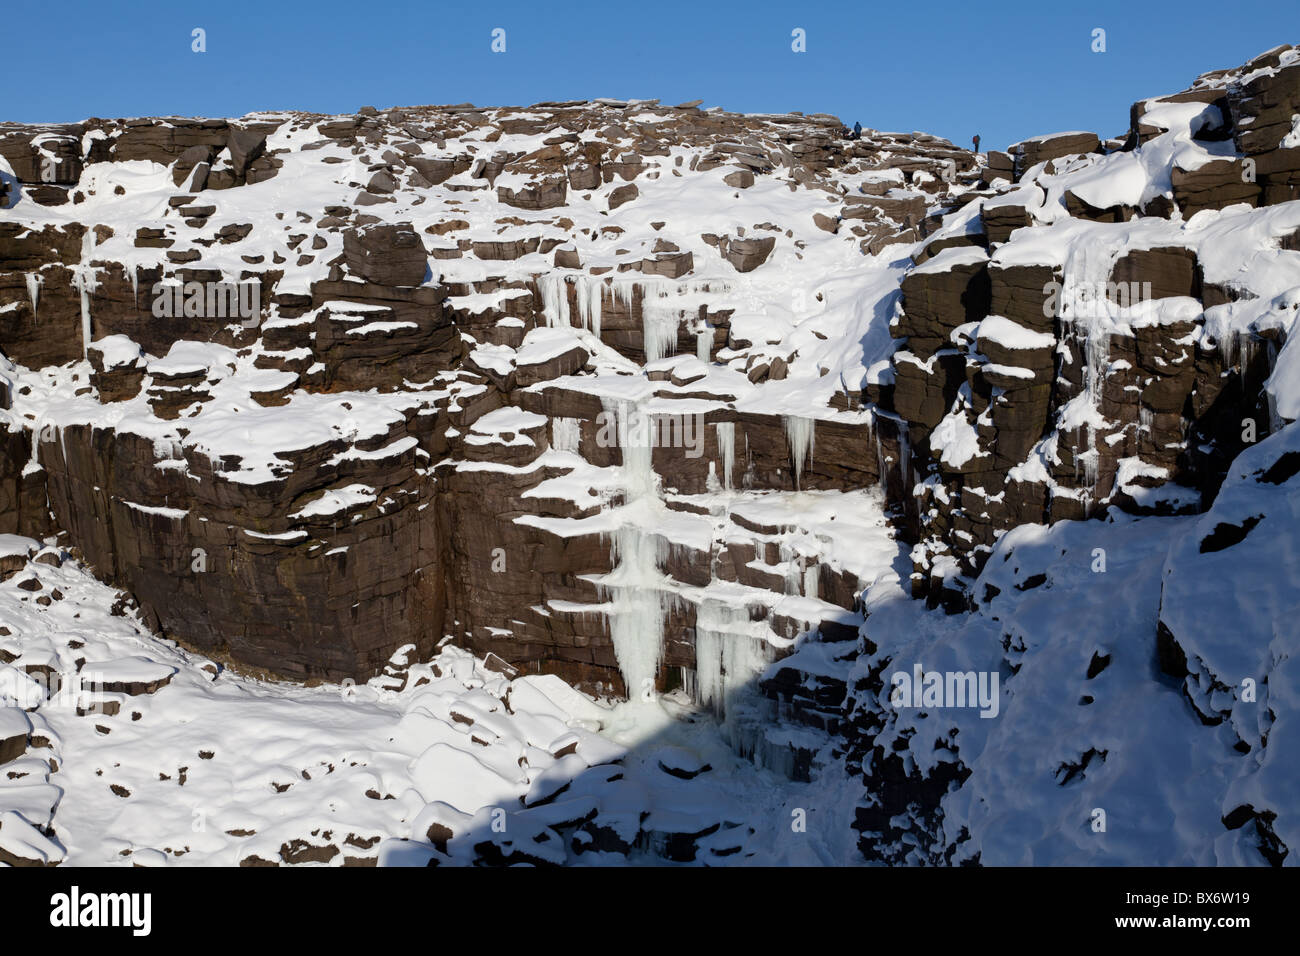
{"x": 1099, "y": 331}
{"x": 655, "y": 398}
{"x": 499, "y": 375}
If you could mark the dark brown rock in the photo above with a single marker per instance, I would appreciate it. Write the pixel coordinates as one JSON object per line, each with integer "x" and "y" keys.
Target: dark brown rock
{"x": 386, "y": 254}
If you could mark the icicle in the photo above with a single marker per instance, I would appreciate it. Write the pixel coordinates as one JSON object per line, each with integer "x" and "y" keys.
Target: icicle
{"x": 595, "y": 295}
{"x": 624, "y": 294}
{"x": 1228, "y": 346}
{"x": 800, "y": 435}
{"x": 704, "y": 344}
{"x": 1275, "y": 421}
{"x": 1086, "y": 314}
{"x": 690, "y": 683}
{"x": 905, "y": 457}
{"x": 85, "y": 285}
{"x": 635, "y": 433}
{"x": 747, "y": 480}
{"x": 554, "y": 290}
{"x": 34, "y": 280}
{"x": 811, "y": 580}
{"x": 546, "y": 292}
{"x": 636, "y": 586}
{"x": 588, "y": 295}
{"x": 727, "y": 452}
{"x": 729, "y": 655}
{"x": 1247, "y": 346}
{"x": 1091, "y": 459}
{"x": 636, "y": 618}
{"x": 793, "y": 568}
{"x": 34, "y": 463}
{"x": 580, "y": 299}
{"x": 660, "y": 335}
{"x": 566, "y": 434}
{"x": 1098, "y": 354}
{"x": 881, "y": 466}
{"x": 83, "y": 279}
{"x": 659, "y": 320}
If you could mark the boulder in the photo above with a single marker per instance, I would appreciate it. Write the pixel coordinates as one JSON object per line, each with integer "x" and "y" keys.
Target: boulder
{"x": 622, "y": 194}
{"x": 1155, "y": 273}
{"x": 945, "y": 292}
{"x": 546, "y": 194}
{"x": 1215, "y": 185}
{"x": 1040, "y": 149}
{"x": 386, "y": 254}
{"x": 747, "y": 254}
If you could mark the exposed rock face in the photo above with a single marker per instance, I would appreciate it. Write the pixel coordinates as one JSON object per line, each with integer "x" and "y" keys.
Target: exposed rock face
{"x": 385, "y": 254}
{"x": 1043, "y": 149}
{"x": 1060, "y": 373}
{"x": 226, "y": 573}
{"x": 304, "y": 441}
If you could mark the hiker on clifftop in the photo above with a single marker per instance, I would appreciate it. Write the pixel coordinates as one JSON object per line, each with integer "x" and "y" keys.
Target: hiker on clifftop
{"x": 857, "y": 130}
{"x": 976, "y": 140}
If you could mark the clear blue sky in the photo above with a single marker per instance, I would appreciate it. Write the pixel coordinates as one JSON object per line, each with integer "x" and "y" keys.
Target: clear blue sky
{"x": 1004, "y": 70}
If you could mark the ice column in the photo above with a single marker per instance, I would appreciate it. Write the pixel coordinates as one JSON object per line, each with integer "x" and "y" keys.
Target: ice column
{"x": 566, "y": 434}
{"x": 727, "y": 451}
{"x": 635, "y": 587}
{"x": 800, "y": 436}
{"x": 34, "y": 280}
{"x": 729, "y": 655}
{"x": 83, "y": 280}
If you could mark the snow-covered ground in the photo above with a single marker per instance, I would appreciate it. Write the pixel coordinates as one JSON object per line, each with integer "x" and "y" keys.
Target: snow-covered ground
{"x": 215, "y": 768}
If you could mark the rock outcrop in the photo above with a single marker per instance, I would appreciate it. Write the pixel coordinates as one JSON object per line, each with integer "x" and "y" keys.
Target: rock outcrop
{"x": 443, "y": 402}
{"x": 1037, "y": 376}
{"x": 1102, "y": 351}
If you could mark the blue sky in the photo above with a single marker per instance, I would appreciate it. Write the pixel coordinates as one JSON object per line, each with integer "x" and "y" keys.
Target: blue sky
{"x": 1004, "y": 70}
